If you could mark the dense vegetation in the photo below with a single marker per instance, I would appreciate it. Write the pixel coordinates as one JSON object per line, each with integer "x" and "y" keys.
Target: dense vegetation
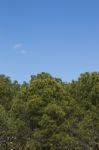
{"x": 48, "y": 114}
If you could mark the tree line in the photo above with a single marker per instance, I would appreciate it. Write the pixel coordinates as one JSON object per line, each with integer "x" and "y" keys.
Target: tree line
{"x": 49, "y": 114}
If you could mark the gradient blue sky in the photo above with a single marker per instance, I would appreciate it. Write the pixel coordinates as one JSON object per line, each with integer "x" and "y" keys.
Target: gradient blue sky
{"x": 60, "y": 37}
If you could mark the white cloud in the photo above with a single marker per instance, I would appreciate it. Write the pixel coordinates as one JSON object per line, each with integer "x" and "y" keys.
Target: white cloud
{"x": 23, "y": 52}
{"x": 20, "y": 48}
{"x": 17, "y": 46}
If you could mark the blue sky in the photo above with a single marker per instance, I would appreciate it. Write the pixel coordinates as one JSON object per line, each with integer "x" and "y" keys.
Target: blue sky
{"x": 60, "y": 37}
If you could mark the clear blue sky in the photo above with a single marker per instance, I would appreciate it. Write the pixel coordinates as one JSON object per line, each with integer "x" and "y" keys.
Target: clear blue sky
{"x": 60, "y": 37}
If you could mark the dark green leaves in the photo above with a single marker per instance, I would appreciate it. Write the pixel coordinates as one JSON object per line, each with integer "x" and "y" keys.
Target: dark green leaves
{"x": 48, "y": 114}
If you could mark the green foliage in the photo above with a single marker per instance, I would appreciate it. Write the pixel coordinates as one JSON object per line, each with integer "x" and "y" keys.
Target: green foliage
{"x": 48, "y": 114}
{"x": 6, "y": 91}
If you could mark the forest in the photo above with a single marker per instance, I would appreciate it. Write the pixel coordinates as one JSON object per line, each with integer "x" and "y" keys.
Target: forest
{"x": 49, "y": 114}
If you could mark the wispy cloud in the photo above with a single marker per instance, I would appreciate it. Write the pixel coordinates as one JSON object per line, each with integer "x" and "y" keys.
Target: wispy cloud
{"x": 20, "y": 48}
{"x": 23, "y": 52}
{"x": 17, "y": 46}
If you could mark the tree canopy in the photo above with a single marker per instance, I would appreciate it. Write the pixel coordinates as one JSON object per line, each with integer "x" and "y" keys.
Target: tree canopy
{"x": 49, "y": 114}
